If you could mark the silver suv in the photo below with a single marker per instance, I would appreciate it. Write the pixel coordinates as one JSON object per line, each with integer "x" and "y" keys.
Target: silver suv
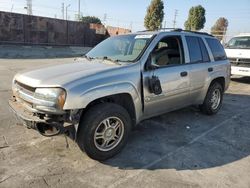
{"x": 122, "y": 81}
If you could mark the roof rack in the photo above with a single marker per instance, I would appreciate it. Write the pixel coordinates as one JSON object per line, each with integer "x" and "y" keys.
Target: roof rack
{"x": 179, "y": 30}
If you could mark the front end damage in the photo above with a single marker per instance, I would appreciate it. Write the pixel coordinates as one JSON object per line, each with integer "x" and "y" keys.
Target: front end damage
{"x": 48, "y": 123}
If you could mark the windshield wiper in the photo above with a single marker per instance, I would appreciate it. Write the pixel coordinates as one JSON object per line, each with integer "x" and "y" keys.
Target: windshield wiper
{"x": 109, "y": 59}
{"x": 87, "y": 57}
{"x": 125, "y": 61}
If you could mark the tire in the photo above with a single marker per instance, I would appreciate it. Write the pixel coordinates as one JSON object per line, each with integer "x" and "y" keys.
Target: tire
{"x": 208, "y": 107}
{"x": 93, "y": 125}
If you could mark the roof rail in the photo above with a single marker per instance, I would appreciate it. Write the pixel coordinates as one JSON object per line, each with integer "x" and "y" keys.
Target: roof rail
{"x": 179, "y": 30}
{"x": 162, "y": 29}
{"x": 197, "y": 32}
{"x": 170, "y": 29}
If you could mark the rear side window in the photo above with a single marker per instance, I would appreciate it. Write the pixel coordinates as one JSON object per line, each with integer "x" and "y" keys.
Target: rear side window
{"x": 194, "y": 49}
{"x": 217, "y": 49}
{"x": 204, "y": 52}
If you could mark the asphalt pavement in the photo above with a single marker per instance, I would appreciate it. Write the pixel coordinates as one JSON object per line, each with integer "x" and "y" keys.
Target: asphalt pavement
{"x": 179, "y": 149}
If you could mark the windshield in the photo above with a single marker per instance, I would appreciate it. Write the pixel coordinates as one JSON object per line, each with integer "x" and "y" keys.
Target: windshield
{"x": 124, "y": 48}
{"x": 239, "y": 42}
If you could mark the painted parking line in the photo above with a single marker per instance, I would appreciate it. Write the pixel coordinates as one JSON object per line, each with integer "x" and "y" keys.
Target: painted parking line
{"x": 138, "y": 172}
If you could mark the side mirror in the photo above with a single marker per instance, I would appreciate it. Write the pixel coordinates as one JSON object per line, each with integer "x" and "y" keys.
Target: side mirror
{"x": 155, "y": 85}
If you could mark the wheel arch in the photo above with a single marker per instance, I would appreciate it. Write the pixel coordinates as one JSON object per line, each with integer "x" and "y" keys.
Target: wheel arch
{"x": 221, "y": 80}
{"x": 123, "y": 99}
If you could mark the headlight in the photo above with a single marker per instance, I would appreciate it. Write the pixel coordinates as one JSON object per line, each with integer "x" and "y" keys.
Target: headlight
{"x": 49, "y": 99}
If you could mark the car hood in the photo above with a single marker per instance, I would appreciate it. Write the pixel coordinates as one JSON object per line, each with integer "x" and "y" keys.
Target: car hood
{"x": 60, "y": 75}
{"x": 238, "y": 53}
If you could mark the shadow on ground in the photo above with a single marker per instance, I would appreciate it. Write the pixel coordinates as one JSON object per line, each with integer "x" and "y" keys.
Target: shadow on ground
{"x": 244, "y": 79}
{"x": 188, "y": 140}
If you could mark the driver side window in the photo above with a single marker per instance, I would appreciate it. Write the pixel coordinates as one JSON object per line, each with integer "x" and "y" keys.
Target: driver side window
{"x": 168, "y": 51}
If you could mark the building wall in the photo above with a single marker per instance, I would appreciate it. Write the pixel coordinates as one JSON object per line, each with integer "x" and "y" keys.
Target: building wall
{"x": 117, "y": 30}
{"x": 25, "y": 29}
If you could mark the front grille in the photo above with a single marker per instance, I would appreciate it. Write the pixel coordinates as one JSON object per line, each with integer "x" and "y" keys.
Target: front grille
{"x": 240, "y": 62}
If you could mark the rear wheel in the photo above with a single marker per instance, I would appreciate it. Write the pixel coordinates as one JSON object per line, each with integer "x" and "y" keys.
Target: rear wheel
{"x": 213, "y": 100}
{"x": 104, "y": 131}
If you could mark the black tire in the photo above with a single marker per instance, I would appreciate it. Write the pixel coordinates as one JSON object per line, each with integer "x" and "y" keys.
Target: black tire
{"x": 207, "y": 106}
{"x": 89, "y": 124}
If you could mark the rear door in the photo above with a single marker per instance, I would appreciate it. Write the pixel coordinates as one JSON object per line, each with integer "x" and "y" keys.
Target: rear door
{"x": 200, "y": 67}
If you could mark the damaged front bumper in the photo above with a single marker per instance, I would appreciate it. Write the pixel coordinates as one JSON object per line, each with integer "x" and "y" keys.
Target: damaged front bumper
{"x": 46, "y": 124}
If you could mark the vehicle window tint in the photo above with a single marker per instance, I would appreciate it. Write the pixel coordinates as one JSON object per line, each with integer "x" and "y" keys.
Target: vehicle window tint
{"x": 217, "y": 49}
{"x": 194, "y": 49}
{"x": 204, "y": 52}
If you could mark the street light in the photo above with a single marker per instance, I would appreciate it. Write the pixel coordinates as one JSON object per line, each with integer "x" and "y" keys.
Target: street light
{"x": 67, "y": 11}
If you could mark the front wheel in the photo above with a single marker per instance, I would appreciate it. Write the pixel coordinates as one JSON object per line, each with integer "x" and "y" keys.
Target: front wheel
{"x": 213, "y": 100}
{"x": 104, "y": 131}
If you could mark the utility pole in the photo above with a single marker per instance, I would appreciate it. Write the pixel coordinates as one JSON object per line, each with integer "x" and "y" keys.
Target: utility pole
{"x": 104, "y": 18}
{"x": 79, "y": 10}
{"x": 131, "y": 26}
{"x": 63, "y": 11}
{"x": 29, "y": 7}
{"x": 12, "y": 7}
{"x": 165, "y": 24}
{"x": 175, "y": 16}
{"x": 224, "y": 35}
{"x": 67, "y": 11}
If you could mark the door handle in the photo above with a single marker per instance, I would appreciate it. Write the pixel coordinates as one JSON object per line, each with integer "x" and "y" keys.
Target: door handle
{"x": 210, "y": 69}
{"x": 183, "y": 74}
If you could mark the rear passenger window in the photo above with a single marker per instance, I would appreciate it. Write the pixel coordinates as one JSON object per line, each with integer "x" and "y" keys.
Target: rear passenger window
{"x": 194, "y": 49}
{"x": 217, "y": 49}
{"x": 204, "y": 52}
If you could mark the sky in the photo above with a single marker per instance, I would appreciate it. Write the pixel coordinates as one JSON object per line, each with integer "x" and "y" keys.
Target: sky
{"x": 130, "y": 13}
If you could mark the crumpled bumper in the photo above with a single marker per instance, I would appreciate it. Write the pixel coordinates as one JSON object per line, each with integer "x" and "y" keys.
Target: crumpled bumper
{"x": 31, "y": 120}
{"x": 47, "y": 125}
{"x": 24, "y": 116}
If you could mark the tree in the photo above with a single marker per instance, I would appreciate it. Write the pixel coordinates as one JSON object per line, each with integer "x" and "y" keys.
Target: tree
{"x": 90, "y": 19}
{"x": 220, "y": 27}
{"x": 196, "y": 18}
{"x": 155, "y": 13}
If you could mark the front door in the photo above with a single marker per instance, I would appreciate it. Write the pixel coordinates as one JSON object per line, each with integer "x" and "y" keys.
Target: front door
{"x": 173, "y": 74}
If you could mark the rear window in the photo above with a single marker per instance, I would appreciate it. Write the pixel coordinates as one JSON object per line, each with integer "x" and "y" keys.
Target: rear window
{"x": 217, "y": 49}
{"x": 204, "y": 52}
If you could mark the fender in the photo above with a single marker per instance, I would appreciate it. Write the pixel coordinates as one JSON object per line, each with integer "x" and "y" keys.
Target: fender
{"x": 213, "y": 76}
{"x": 82, "y": 100}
